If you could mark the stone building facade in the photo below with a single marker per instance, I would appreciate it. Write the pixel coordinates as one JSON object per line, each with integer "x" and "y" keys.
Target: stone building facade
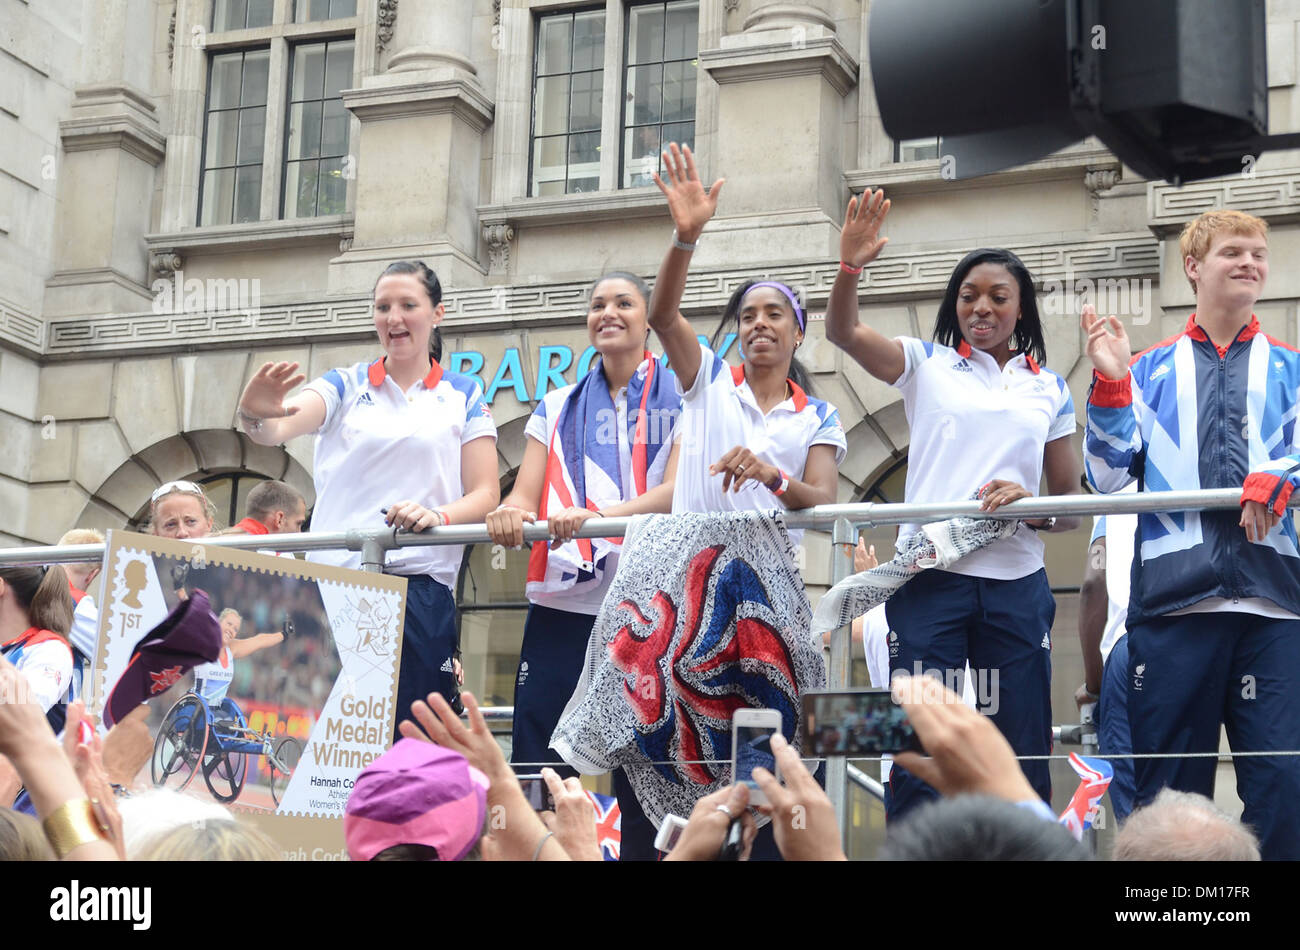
{"x": 165, "y": 228}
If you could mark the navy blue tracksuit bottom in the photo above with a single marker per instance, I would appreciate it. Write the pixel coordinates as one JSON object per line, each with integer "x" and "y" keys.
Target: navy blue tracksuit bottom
{"x": 1190, "y": 673}
{"x": 429, "y": 639}
{"x": 1004, "y": 629}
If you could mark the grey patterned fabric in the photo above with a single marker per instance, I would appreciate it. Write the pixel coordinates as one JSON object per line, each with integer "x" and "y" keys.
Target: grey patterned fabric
{"x": 938, "y": 544}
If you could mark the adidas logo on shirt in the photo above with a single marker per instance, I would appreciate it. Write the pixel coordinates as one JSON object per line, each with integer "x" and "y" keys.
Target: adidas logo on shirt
{"x": 365, "y": 400}
{"x": 1047, "y": 642}
{"x": 446, "y": 666}
{"x": 962, "y": 366}
{"x": 1160, "y": 371}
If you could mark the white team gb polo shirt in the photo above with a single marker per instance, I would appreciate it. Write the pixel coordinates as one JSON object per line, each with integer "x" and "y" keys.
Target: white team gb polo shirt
{"x": 971, "y": 423}
{"x": 380, "y": 445}
{"x": 719, "y": 412}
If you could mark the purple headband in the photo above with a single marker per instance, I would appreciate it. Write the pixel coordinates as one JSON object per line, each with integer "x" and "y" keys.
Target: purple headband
{"x": 789, "y": 295}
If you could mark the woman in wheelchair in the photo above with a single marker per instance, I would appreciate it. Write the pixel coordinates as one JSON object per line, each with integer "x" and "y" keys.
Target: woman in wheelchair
{"x": 211, "y": 680}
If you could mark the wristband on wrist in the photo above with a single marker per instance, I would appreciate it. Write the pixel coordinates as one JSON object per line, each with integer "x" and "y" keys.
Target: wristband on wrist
{"x": 443, "y": 520}
{"x": 682, "y": 245}
{"x": 546, "y": 837}
{"x": 251, "y": 423}
{"x": 779, "y": 485}
{"x": 849, "y": 269}
{"x": 1047, "y": 525}
{"x": 73, "y": 824}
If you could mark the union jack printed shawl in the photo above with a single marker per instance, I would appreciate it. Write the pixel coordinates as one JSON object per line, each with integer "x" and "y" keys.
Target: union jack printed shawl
{"x": 707, "y": 614}
{"x": 583, "y": 470}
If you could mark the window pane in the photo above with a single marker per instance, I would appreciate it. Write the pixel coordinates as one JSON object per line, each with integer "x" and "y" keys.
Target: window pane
{"x": 224, "y": 93}
{"x": 300, "y": 189}
{"x": 248, "y": 193}
{"x": 252, "y": 133}
{"x": 333, "y": 188}
{"x": 334, "y": 129}
{"x": 917, "y": 150}
{"x": 679, "y": 92}
{"x": 550, "y": 188}
{"x": 259, "y": 12}
{"x": 549, "y": 164}
{"x": 681, "y": 32}
{"x": 584, "y": 161}
{"x": 646, "y": 44}
{"x": 338, "y": 69}
{"x": 304, "y": 130}
{"x": 645, "y": 94}
{"x": 229, "y": 15}
{"x": 257, "y": 65}
{"x": 552, "y": 106}
{"x": 585, "y": 111}
{"x": 342, "y": 8}
{"x": 589, "y": 40}
{"x": 308, "y": 72}
{"x": 683, "y": 133}
{"x": 218, "y": 196}
{"x": 553, "y": 47}
{"x": 223, "y": 139}
{"x": 641, "y": 148}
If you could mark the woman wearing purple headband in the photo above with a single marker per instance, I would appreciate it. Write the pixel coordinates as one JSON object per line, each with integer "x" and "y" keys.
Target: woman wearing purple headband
{"x": 753, "y": 437}
{"x": 984, "y": 416}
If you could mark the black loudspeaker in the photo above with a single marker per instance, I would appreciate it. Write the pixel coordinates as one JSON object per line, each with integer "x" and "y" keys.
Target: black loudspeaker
{"x": 1176, "y": 88}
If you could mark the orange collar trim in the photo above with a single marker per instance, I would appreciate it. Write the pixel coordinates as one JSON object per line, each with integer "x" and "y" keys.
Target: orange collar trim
{"x": 797, "y": 394}
{"x": 378, "y": 373}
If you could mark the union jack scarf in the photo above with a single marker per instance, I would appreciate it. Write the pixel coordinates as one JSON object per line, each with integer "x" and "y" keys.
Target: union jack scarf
{"x": 706, "y": 614}
{"x": 583, "y": 469}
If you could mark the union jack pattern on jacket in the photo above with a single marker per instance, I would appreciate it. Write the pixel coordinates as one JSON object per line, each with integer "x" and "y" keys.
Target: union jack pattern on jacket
{"x": 1187, "y": 417}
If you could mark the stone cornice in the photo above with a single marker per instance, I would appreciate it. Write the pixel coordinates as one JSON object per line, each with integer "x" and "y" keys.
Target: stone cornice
{"x": 577, "y": 209}
{"x": 825, "y": 55}
{"x": 1274, "y": 196}
{"x": 287, "y": 232}
{"x": 899, "y": 276}
{"x": 462, "y": 98}
{"x": 902, "y": 178}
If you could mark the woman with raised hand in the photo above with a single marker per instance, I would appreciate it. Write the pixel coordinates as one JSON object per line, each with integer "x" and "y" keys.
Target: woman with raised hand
{"x": 753, "y": 437}
{"x": 400, "y": 442}
{"x": 985, "y": 417}
{"x": 599, "y": 448}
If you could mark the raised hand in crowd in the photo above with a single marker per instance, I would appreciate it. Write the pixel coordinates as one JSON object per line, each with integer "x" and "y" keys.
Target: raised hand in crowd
{"x": 965, "y": 752}
{"x": 689, "y": 203}
{"x": 87, "y": 759}
{"x": 864, "y": 557}
{"x": 519, "y": 834}
{"x": 706, "y": 830}
{"x": 79, "y": 827}
{"x": 574, "y": 819}
{"x": 860, "y": 240}
{"x": 1108, "y": 349}
{"x": 264, "y": 396}
{"x": 803, "y": 817}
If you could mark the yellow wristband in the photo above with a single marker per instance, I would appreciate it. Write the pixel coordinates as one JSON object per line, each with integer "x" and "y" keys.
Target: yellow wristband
{"x": 73, "y": 824}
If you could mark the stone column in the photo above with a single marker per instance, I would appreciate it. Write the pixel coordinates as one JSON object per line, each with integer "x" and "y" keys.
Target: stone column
{"x": 113, "y": 145}
{"x": 785, "y": 76}
{"x": 419, "y": 151}
{"x": 432, "y": 35}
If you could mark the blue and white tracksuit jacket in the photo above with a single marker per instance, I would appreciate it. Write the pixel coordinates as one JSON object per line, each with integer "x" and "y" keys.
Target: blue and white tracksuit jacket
{"x": 1187, "y": 417}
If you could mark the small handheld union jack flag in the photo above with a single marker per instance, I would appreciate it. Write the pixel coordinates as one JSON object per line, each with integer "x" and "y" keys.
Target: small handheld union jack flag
{"x": 609, "y": 825}
{"x": 1095, "y": 776}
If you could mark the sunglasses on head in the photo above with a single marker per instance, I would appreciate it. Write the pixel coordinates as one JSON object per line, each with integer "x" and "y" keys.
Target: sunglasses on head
{"x": 169, "y": 487}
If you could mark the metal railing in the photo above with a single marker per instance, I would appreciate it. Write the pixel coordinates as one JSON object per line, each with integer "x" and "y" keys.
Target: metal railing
{"x": 844, "y": 522}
